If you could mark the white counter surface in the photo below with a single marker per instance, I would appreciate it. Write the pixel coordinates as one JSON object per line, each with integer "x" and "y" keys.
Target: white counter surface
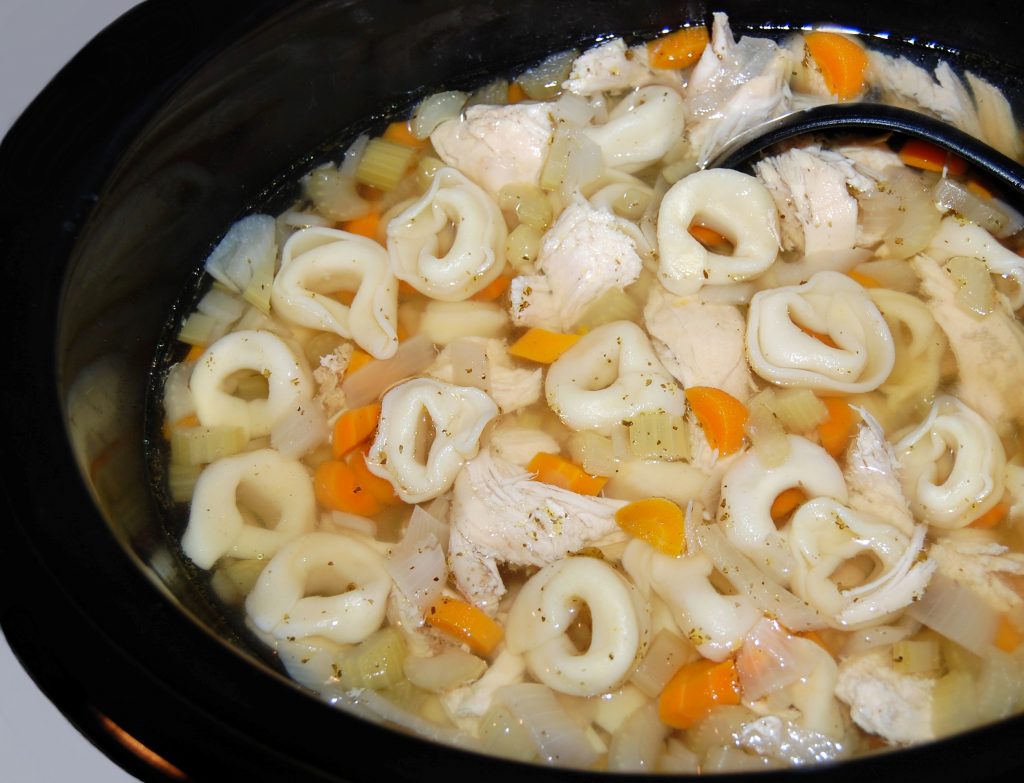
{"x": 37, "y": 744}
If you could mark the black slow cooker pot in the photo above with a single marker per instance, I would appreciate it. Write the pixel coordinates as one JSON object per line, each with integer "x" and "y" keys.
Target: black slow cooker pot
{"x": 116, "y": 183}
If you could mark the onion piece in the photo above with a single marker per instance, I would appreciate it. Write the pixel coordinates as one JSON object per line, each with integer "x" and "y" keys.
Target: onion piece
{"x": 449, "y": 669}
{"x": 360, "y": 701}
{"x": 417, "y": 563}
{"x": 958, "y": 613}
{"x": 544, "y": 80}
{"x": 369, "y": 382}
{"x": 300, "y": 430}
{"x": 574, "y": 160}
{"x": 435, "y": 109}
{"x": 767, "y": 594}
{"x": 975, "y": 290}
{"x": 469, "y": 363}
{"x": 560, "y": 740}
{"x": 951, "y": 196}
{"x": 638, "y": 743}
{"x": 767, "y": 436}
{"x": 769, "y": 661}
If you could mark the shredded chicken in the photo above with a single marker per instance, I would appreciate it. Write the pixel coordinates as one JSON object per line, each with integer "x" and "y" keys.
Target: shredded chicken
{"x": 983, "y": 565}
{"x": 497, "y": 145}
{"x": 510, "y": 387}
{"x": 500, "y": 514}
{"x": 700, "y": 343}
{"x": 610, "y": 67}
{"x": 587, "y": 252}
{"x": 328, "y": 377}
{"x": 989, "y": 349}
{"x": 735, "y": 86}
{"x": 872, "y": 476}
{"x": 882, "y": 701}
{"x": 812, "y": 190}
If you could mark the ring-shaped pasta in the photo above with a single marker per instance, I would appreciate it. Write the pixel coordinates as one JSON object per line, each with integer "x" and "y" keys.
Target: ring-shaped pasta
{"x": 952, "y": 465}
{"x": 736, "y": 205}
{"x": 825, "y": 535}
{"x": 288, "y": 378}
{"x": 548, "y": 605}
{"x": 749, "y": 489}
{"x": 918, "y": 343}
{"x": 612, "y": 373}
{"x": 248, "y": 506}
{"x": 456, "y": 415}
{"x": 450, "y": 243}
{"x": 641, "y": 128}
{"x": 958, "y": 238}
{"x": 321, "y": 584}
{"x": 319, "y": 262}
{"x": 782, "y": 349}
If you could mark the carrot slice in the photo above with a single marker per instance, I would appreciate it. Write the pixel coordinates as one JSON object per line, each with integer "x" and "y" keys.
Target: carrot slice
{"x": 657, "y": 521}
{"x": 992, "y": 517}
{"x": 865, "y": 280}
{"x": 493, "y": 290}
{"x": 560, "y": 472}
{"x": 188, "y": 420}
{"x": 353, "y": 427}
{"x": 786, "y": 502}
{"x": 516, "y": 93}
{"x": 711, "y": 239}
{"x": 843, "y": 63}
{"x": 921, "y": 154}
{"x": 1008, "y": 636}
{"x": 337, "y": 488}
{"x": 680, "y": 49}
{"x": 835, "y": 432}
{"x": 721, "y": 415}
{"x": 359, "y": 359}
{"x": 695, "y": 689}
{"x": 819, "y": 336}
{"x": 401, "y": 133}
{"x": 541, "y": 346}
{"x": 381, "y": 489}
{"x": 194, "y": 352}
{"x": 366, "y": 226}
{"x": 466, "y": 623}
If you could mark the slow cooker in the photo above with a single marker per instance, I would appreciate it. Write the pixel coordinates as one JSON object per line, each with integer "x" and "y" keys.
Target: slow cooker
{"x": 116, "y": 182}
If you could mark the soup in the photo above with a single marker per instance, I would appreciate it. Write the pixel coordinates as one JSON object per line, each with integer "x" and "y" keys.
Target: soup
{"x": 524, "y": 431}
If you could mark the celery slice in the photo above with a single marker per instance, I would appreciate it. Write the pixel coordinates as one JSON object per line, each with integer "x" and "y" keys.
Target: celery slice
{"x": 916, "y": 656}
{"x": 375, "y": 663}
{"x": 203, "y": 445}
{"x": 384, "y": 163}
{"x": 201, "y": 329}
{"x": 798, "y": 410}
{"x": 181, "y": 481}
{"x": 613, "y": 305}
{"x": 661, "y": 436}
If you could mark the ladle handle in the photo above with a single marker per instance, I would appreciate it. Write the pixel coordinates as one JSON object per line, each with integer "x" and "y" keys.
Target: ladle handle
{"x": 831, "y": 118}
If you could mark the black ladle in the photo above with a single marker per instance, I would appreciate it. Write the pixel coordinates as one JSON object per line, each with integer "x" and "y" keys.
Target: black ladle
{"x": 835, "y": 117}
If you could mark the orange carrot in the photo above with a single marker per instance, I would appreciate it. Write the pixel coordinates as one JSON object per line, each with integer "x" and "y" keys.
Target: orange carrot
{"x": 921, "y": 154}
{"x": 466, "y": 623}
{"x": 657, "y": 521}
{"x": 786, "y": 502}
{"x": 516, "y": 93}
{"x": 400, "y": 133}
{"x": 992, "y": 517}
{"x": 366, "y": 226}
{"x": 680, "y": 49}
{"x": 353, "y": 427}
{"x": 695, "y": 689}
{"x": 979, "y": 190}
{"x": 721, "y": 416}
{"x": 337, "y": 488}
{"x": 819, "y": 336}
{"x": 381, "y": 489}
{"x": 194, "y": 352}
{"x": 493, "y": 290}
{"x": 710, "y": 238}
{"x": 369, "y": 192}
{"x": 189, "y": 420}
{"x": 835, "y": 432}
{"x": 407, "y": 290}
{"x": 542, "y": 346}
{"x": 359, "y": 359}
{"x": 1008, "y": 636}
{"x": 843, "y": 63}
{"x": 865, "y": 280}
{"x": 556, "y": 470}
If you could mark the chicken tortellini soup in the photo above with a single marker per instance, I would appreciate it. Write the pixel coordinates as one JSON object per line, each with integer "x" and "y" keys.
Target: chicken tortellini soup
{"x": 524, "y": 430}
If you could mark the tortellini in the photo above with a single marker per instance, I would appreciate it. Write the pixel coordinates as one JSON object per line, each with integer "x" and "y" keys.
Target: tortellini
{"x": 953, "y": 465}
{"x": 612, "y": 373}
{"x": 749, "y": 489}
{"x": 959, "y": 238}
{"x": 322, "y": 584}
{"x": 785, "y": 326}
{"x": 248, "y": 506}
{"x": 825, "y": 535}
{"x": 290, "y": 383}
{"x": 450, "y": 243}
{"x": 547, "y": 606}
{"x": 736, "y": 205}
{"x": 919, "y": 344}
{"x": 641, "y": 128}
{"x": 319, "y": 262}
{"x": 456, "y": 415}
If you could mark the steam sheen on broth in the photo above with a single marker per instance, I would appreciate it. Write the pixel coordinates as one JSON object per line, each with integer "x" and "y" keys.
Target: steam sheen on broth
{"x": 523, "y": 431}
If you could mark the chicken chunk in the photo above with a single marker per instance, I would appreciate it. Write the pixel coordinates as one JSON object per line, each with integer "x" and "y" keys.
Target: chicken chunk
{"x": 989, "y": 349}
{"x": 587, "y": 252}
{"x": 700, "y": 343}
{"x": 882, "y": 701}
{"x": 812, "y": 190}
{"x": 872, "y": 476}
{"x": 497, "y": 145}
{"x": 735, "y": 86}
{"x": 609, "y": 67}
{"x": 983, "y": 565}
{"x": 500, "y": 514}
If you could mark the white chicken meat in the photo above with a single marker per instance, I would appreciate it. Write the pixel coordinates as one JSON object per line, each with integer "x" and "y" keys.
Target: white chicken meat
{"x": 610, "y": 67}
{"x": 872, "y": 476}
{"x": 586, "y": 253}
{"x": 985, "y": 566}
{"x": 501, "y": 514}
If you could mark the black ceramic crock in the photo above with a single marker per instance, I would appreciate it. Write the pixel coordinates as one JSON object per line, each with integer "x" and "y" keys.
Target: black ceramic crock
{"x": 115, "y": 184}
